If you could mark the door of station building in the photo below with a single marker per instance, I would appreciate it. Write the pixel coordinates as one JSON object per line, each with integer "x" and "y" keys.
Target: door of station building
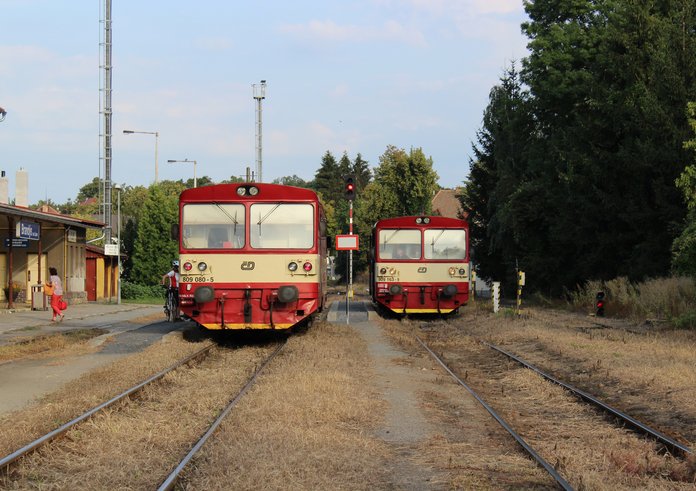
{"x": 33, "y": 272}
{"x": 3, "y": 274}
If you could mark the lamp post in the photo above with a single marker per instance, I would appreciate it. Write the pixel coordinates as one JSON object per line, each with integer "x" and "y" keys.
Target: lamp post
{"x": 156, "y": 133}
{"x": 117, "y": 188}
{"x": 195, "y": 182}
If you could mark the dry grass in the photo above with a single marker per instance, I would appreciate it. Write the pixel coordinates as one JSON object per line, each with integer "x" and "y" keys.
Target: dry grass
{"x": 136, "y": 446}
{"x": 468, "y": 448}
{"x": 59, "y": 344}
{"x": 21, "y": 427}
{"x": 652, "y": 374}
{"x": 307, "y": 425}
{"x": 661, "y": 299}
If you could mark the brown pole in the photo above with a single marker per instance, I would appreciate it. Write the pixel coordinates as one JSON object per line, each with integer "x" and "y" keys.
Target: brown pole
{"x": 39, "y": 281}
{"x": 10, "y": 289}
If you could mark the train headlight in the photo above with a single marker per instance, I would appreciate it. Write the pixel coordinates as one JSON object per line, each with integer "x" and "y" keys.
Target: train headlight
{"x": 462, "y": 271}
{"x": 426, "y": 220}
{"x": 395, "y": 289}
{"x": 253, "y": 190}
{"x": 307, "y": 266}
{"x": 241, "y": 191}
{"x": 292, "y": 266}
{"x": 452, "y": 271}
{"x": 202, "y": 266}
{"x": 449, "y": 291}
{"x": 419, "y": 220}
{"x": 382, "y": 270}
{"x": 188, "y": 266}
{"x": 288, "y": 293}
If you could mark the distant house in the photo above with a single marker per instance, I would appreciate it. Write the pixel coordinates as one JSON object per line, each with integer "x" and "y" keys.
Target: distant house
{"x": 446, "y": 203}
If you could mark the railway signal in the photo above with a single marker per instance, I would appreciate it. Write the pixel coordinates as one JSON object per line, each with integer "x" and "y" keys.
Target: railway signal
{"x": 349, "y": 189}
{"x": 599, "y": 304}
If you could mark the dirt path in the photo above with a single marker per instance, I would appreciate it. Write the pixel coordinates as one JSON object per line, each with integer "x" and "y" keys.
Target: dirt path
{"x": 406, "y": 425}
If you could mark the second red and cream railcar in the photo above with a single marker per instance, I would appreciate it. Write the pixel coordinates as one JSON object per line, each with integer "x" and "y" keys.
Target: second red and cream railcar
{"x": 420, "y": 264}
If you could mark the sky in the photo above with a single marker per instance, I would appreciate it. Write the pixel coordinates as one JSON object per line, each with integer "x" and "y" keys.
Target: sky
{"x": 350, "y": 76}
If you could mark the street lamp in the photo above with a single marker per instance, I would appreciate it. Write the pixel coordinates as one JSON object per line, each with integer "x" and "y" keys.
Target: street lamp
{"x": 259, "y": 95}
{"x": 156, "y": 133}
{"x": 194, "y": 168}
{"x": 117, "y": 188}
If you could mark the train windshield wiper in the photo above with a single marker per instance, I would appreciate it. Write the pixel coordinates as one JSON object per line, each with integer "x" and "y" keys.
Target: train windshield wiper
{"x": 233, "y": 219}
{"x": 263, "y": 219}
{"x": 386, "y": 241}
{"x": 435, "y": 239}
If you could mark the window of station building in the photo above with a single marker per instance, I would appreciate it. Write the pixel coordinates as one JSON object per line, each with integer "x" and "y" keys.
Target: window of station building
{"x": 399, "y": 243}
{"x": 281, "y": 226}
{"x": 445, "y": 244}
{"x": 213, "y": 226}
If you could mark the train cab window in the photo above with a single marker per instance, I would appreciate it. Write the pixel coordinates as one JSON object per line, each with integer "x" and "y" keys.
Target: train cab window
{"x": 399, "y": 244}
{"x": 445, "y": 244}
{"x": 213, "y": 226}
{"x": 281, "y": 226}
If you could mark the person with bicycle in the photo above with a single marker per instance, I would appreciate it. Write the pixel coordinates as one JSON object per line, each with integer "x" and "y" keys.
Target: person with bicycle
{"x": 171, "y": 281}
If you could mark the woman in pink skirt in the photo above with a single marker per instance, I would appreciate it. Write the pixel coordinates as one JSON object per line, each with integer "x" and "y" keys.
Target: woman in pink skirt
{"x": 57, "y": 297}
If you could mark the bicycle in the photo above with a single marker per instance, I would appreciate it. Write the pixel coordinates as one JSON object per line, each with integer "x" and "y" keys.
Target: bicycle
{"x": 171, "y": 306}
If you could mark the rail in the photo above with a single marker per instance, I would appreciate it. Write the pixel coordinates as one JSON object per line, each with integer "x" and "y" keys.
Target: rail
{"x": 171, "y": 480}
{"x": 30, "y": 447}
{"x": 673, "y": 445}
{"x": 540, "y": 460}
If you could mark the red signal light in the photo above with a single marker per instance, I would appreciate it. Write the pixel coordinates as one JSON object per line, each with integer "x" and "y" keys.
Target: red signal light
{"x": 307, "y": 266}
{"x": 349, "y": 189}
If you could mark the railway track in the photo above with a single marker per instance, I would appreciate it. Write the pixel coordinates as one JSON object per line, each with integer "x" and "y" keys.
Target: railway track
{"x": 174, "y": 476}
{"x": 61, "y": 430}
{"x": 623, "y": 420}
{"x": 669, "y": 443}
{"x": 141, "y": 413}
{"x": 562, "y": 483}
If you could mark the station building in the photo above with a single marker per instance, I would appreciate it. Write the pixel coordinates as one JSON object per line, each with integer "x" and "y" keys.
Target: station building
{"x": 31, "y": 241}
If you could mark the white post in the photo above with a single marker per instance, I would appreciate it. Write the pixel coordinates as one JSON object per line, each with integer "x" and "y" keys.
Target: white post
{"x": 496, "y": 296}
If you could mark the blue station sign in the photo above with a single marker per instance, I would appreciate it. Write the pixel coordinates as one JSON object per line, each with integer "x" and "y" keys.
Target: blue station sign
{"x": 28, "y": 230}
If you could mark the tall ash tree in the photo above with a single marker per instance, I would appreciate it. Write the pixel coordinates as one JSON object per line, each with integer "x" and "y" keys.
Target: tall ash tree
{"x": 404, "y": 184}
{"x": 608, "y": 82}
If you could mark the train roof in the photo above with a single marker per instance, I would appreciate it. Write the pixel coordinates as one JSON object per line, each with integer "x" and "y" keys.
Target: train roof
{"x": 419, "y": 221}
{"x": 228, "y": 192}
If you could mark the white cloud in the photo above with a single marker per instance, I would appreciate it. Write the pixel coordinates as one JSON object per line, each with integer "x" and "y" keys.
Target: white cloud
{"x": 328, "y": 30}
{"x": 213, "y": 44}
{"x": 448, "y": 7}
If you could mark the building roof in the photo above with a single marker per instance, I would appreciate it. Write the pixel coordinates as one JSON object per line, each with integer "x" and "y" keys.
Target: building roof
{"x": 22, "y": 212}
{"x": 446, "y": 203}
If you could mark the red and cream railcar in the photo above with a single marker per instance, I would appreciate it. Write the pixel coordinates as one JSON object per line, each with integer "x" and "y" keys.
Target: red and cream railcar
{"x": 420, "y": 265}
{"x": 252, "y": 255}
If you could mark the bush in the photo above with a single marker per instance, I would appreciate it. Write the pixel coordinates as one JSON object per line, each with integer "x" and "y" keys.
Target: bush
{"x": 686, "y": 321}
{"x": 134, "y": 291}
{"x": 672, "y": 299}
